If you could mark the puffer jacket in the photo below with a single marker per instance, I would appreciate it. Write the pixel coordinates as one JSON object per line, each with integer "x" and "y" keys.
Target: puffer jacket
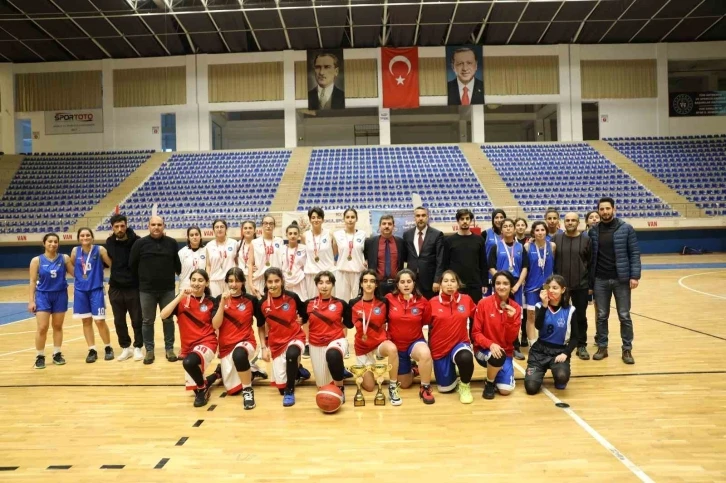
{"x": 627, "y": 252}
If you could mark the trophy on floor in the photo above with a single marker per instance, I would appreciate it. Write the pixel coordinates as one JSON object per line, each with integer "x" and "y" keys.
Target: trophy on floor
{"x": 380, "y": 370}
{"x": 359, "y": 371}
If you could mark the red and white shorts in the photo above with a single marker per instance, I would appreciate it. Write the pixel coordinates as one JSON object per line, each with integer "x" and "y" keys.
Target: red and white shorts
{"x": 320, "y": 363}
{"x": 279, "y": 365}
{"x": 206, "y": 355}
{"x": 230, "y": 376}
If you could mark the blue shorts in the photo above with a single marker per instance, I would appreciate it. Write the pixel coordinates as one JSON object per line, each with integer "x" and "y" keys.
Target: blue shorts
{"x": 518, "y": 296}
{"x": 531, "y": 299}
{"x": 89, "y": 303}
{"x": 404, "y": 358}
{"x": 505, "y": 376}
{"x": 445, "y": 368}
{"x": 54, "y": 302}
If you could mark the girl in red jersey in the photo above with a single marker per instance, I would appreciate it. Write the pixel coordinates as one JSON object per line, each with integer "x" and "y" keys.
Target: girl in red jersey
{"x": 449, "y": 337}
{"x": 496, "y": 324}
{"x": 368, "y": 313}
{"x": 280, "y": 320}
{"x": 328, "y": 344}
{"x": 193, "y": 309}
{"x": 237, "y": 345}
{"x": 408, "y": 312}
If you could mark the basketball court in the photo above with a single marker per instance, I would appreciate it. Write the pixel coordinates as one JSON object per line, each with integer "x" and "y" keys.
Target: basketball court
{"x": 662, "y": 419}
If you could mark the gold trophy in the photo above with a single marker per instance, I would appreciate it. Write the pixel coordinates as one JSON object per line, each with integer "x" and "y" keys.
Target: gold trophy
{"x": 380, "y": 370}
{"x": 359, "y": 371}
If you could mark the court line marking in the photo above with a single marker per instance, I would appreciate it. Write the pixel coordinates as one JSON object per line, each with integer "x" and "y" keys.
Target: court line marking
{"x": 680, "y": 282}
{"x": 635, "y": 469}
{"x": 33, "y": 331}
{"x": 110, "y": 329}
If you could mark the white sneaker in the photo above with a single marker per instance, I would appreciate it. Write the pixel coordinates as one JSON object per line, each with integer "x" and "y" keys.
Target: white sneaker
{"x": 138, "y": 354}
{"x": 125, "y": 354}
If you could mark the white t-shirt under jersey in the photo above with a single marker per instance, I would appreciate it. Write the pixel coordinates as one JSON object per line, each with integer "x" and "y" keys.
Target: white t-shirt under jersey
{"x": 293, "y": 263}
{"x": 220, "y": 258}
{"x": 320, "y": 246}
{"x": 266, "y": 251}
{"x": 344, "y": 240}
{"x": 190, "y": 261}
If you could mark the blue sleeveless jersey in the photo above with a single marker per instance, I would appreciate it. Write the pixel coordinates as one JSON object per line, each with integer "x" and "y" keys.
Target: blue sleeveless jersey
{"x": 503, "y": 252}
{"x": 51, "y": 274}
{"x": 556, "y": 327}
{"x": 94, "y": 269}
{"x": 536, "y": 275}
{"x": 491, "y": 241}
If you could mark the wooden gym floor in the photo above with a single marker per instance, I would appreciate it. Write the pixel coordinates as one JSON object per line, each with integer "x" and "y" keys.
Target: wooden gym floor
{"x": 662, "y": 419}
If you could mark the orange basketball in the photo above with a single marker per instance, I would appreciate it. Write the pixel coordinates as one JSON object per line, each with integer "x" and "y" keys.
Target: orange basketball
{"x": 329, "y": 398}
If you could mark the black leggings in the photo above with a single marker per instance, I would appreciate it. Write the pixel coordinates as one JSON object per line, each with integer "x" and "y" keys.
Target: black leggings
{"x": 241, "y": 359}
{"x": 193, "y": 366}
{"x": 292, "y": 358}
{"x": 464, "y": 360}
{"x": 335, "y": 364}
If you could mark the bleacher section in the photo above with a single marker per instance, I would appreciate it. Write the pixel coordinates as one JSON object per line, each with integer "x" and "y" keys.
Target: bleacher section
{"x": 49, "y": 193}
{"x": 385, "y": 177}
{"x": 570, "y": 177}
{"x": 695, "y": 168}
{"x": 195, "y": 188}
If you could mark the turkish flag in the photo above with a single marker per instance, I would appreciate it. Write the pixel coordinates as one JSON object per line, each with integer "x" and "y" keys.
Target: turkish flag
{"x": 400, "y": 77}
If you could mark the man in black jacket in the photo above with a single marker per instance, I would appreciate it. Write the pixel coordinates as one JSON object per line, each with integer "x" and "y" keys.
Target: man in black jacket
{"x": 385, "y": 253}
{"x": 123, "y": 288}
{"x": 155, "y": 261}
{"x": 425, "y": 252}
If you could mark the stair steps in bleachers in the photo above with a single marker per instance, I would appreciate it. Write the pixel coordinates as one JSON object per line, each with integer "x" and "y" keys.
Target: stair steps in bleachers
{"x": 288, "y": 193}
{"x": 122, "y": 191}
{"x": 499, "y": 195}
{"x": 9, "y": 165}
{"x": 678, "y": 203}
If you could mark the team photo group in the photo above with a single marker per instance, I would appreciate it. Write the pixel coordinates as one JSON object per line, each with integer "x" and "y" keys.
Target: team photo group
{"x": 481, "y": 296}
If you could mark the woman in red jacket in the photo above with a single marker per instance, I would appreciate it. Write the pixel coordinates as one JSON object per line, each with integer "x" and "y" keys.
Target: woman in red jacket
{"x": 408, "y": 312}
{"x": 497, "y": 322}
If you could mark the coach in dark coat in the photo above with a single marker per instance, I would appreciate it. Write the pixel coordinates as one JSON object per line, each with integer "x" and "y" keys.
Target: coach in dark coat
{"x": 428, "y": 262}
{"x": 375, "y": 253}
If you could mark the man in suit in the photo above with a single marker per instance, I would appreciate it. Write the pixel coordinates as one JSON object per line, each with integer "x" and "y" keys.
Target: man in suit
{"x": 385, "y": 254}
{"x": 325, "y": 95}
{"x": 425, "y": 252}
{"x": 466, "y": 89}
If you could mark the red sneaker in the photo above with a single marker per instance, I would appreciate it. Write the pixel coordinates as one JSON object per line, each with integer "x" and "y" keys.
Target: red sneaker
{"x": 426, "y": 395}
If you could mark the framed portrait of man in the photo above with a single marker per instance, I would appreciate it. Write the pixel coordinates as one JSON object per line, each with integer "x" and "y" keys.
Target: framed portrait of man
{"x": 326, "y": 79}
{"x": 464, "y": 75}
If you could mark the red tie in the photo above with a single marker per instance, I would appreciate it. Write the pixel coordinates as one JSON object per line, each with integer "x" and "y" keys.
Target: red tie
{"x": 420, "y": 242}
{"x": 465, "y": 97}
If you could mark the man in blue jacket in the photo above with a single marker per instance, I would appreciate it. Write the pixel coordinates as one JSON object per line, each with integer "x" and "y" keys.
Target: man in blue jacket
{"x": 615, "y": 270}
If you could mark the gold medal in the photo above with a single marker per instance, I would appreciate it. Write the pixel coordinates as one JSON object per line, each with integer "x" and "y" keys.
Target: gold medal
{"x": 364, "y": 337}
{"x": 85, "y": 276}
{"x": 267, "y": 264}
{"x": 317, "y": 259}
{"x": 289, "y": 273}
{"x": 350, "y": 258}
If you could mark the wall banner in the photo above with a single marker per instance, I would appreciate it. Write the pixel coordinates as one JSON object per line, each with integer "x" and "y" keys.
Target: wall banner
{"x": 74, "y": 122}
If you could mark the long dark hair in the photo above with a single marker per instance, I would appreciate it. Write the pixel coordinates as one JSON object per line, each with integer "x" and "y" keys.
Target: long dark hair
{"x": 238, "y": 274}
{"x": 370, "y": 271}
{"x": 505, "y": 274}
{"x": 407, "y": 271}
{"x": 274, "y": 271}
{"x": 203, "y": 273}
{"x": 201, "y": 240}
{"x": 560, "y": 280}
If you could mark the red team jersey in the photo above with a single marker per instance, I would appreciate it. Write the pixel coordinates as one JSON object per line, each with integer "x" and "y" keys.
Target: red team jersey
{"x": 449, "y": 315}
{"x": 281, "y": 316}
{"x": 195, "y": 324}
{"x": 376, "y": 314}
{"x": 325, "y": 320}
{"x": 406, "y": 319}
{"x": 492, "y": 325}
{"x": 237, "y": 324}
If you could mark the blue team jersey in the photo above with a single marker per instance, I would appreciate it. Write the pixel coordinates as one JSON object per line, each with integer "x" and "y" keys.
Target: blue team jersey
{"x": 505, "y": 252}
{"x": 51, "y": 274}
{"x": 550, "y": 238}
{"x": 93, "y": 269}
{"x": 537, "y": 274}
{"x": 491, "y": 241}
{"x": 556, "y": 327}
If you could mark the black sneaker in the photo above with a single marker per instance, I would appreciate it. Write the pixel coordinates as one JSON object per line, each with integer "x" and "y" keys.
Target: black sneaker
{"x": 306, "y": 352}
{"x": 58, "y": 359}
{"x": 215, "y": 376}
{"x": 524, "y": 342}
{"x": 248, "y": 398}
{"x": 40, "y": 362}
{"x": 109, "y": 354}
{"x": 258, "y": 372}
{"x": 201, "y": 397}
{"x": 92, "y": 356}
{"x": 490, "y": 390}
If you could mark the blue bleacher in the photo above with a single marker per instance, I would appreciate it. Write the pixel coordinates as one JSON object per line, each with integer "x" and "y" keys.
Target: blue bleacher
{"x": 383, "y": 178}
{"x": 570, "y": 177}
{"x": 193, "y": 189}
{"x": 51, "y": 192}
{"x": 695, "y": 168}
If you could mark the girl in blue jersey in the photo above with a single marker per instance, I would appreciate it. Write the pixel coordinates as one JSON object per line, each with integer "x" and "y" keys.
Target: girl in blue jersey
{"x": 508, "y": 255}
{"x": 541, "y": 255}
{"x": 49, "y": 297}
{"x": 557, "y": 337}
{"x": 88, "y": 292}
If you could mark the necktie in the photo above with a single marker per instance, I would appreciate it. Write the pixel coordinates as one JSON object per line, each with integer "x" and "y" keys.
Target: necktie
{"x": 420, "y": 242}
{"x": 465, "y": 97}
{"x": 321, "y": 98}
{"x": 387, "y": 262}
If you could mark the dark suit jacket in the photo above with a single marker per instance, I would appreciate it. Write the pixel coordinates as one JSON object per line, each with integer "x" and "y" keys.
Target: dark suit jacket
{"x": 477, "y": 97}
{"x": 429, "y": 265}
{"x": 370, "y": 249}
{"x": 337, "y": 99}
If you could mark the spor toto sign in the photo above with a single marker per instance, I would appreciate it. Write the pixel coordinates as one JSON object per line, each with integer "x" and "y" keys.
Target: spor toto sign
{"x": 74, "y": 122}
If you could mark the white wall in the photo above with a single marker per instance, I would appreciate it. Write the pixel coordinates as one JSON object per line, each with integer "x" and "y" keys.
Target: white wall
{"x": 269, "y": 133}
{"x": 59, "y": 142}
{"x": 628, "y": 117}
{"x": 684, "y": 126}
{"x": 133, "y": 127}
